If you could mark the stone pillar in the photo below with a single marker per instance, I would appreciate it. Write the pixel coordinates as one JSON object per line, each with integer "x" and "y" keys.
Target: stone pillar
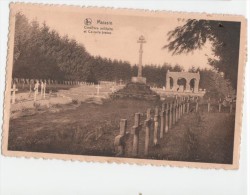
{"x": 141, "y": 41}
{"x": 140, "y": 62}
{"x": 168, "y": 83}
{"x": 196, "y": 86}
{"x": 187, "y": 85}
{"x": 174, "y": 84}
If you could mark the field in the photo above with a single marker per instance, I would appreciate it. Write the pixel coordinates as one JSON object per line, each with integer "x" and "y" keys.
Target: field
{"x": 90, "y": 129}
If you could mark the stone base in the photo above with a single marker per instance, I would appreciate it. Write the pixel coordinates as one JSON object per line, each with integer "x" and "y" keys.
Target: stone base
{"x": 138, "y": 80}
{"x": 136, "y": 91}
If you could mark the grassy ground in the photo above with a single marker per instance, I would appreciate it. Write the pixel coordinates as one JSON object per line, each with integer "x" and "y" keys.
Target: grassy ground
{"x": 86, "y": 129}
{"x": 89, "y": 129}
{"x": 199, "y": 137}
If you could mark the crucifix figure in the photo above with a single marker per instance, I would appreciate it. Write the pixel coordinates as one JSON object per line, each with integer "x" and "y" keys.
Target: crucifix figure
{"x": 141, "y": 41}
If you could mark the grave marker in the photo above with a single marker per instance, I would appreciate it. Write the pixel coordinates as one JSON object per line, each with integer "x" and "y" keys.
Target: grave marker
{"x": 174, "y": 111}
{"x": 42, "y": 88}
{"x": 36, "y": 90}
{"x": 14, "y": 90}
{"x": 166, "y": 120}
{"x": 188, "y": 105}
{"x": 147, "y": 133}
{"x": 113, "y": 89}
{"x": 163, "y": 113}
{"x": 156, "y": 125}
{"x": 197, "y": 104}
{"x": 184, "y": 106}
{"x": 98, "y": 89}
{"x": 119, "y": 142}
{"x": 220, "y": 102}
{"x": 208, "y": 105}
{"x": 170, "y": 115}
{"x": 135, "y": 131}
{"x": 231, "y": 106}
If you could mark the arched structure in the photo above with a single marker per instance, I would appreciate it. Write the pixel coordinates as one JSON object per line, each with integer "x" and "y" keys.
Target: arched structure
{"x": 188, "y": 76}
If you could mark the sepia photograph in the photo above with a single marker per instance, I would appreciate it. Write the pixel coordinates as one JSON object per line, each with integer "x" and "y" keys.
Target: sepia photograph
{"x": 126, "y": 86}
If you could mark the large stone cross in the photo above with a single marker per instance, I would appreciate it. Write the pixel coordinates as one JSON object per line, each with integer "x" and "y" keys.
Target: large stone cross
{"x": 141, "y": 41}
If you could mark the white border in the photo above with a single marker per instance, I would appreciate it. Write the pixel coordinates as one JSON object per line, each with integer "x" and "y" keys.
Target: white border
{"x": 30, "y": 176}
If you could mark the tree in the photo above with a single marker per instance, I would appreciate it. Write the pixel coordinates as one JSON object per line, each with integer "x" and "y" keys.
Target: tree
{"x": 224, "y": 37}
{"x": 214, "y": 83}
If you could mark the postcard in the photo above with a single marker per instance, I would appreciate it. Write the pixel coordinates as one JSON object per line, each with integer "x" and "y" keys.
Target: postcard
{"x": 124, "y": 86}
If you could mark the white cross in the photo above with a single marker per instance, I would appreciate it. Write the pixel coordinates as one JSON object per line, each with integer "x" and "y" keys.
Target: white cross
{"x": 113, "y": 89}
{"x": 36, "y": 90}
{"x": 14, "y": 89}
{"x": 98, "y": 89}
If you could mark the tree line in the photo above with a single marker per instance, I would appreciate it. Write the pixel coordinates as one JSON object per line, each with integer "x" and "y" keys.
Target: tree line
{"x": 41, "y": 53}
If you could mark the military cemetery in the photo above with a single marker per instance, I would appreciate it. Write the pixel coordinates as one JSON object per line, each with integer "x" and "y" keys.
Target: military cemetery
{"x": 67, "y": 101}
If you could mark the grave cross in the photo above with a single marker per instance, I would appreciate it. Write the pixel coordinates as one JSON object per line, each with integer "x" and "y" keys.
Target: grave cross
{"x": 162, "y": 114}
{"x": 119, "y": 142}
{"x": 208, "y": 104}
{"x": 113, "y": 89}
{"x": 148, "y": 123}
{"x": 98, "y": 89}
{"x": 36, "y": 90}
{"x": 120, "y": 81}
{"x": 14, "y": 89}
{"x": 220, "y": 105}
{"x": 135, "y": 131}
{"x": 156, "y": 125}
{"x": 167, "y": 118}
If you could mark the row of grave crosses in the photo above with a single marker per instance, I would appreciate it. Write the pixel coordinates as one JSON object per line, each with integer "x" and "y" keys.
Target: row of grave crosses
{"x": 48, "y": 81}
{"x": 98, "y": 88}
{"x": 36, "y": 90}
{"x": 162, "y": 121}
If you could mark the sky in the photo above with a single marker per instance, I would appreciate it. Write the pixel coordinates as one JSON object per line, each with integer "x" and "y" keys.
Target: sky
{"x": 122, "y": 43}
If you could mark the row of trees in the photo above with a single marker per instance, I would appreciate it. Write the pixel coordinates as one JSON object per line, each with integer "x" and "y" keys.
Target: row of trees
{"x": 41, "y": 53}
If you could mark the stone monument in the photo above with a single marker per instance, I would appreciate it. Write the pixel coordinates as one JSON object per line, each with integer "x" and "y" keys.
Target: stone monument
{"x": 137, "y": 88}
{"x": 139, "y": 78}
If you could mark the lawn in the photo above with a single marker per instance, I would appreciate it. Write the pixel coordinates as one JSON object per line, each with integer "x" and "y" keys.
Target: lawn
{"x": 90, "y": 129}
